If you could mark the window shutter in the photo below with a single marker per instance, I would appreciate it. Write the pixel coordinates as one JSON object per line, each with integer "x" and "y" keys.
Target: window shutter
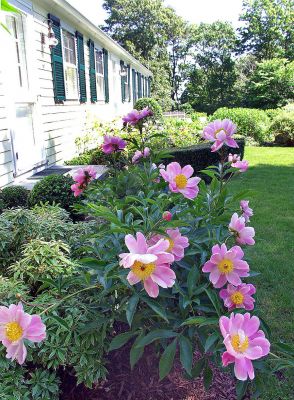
{"x": 139, "y": 86}
{"x": 146, "y": 87}
{"x": 92, "y": 71}
{"x": 81, "y": 67}
{"x": 57, "y": 62}
{"x": 129, "y": 82}
{"x": 106, "y": 81}
{"x": 149, "y": 86}
{"x": 123, "y": 86}
{"x": 134, "y": 84}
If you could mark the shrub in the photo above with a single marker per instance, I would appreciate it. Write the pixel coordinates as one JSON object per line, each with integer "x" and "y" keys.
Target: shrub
{"x": 54, "y": 189}
{"x": 41, "y": 259}
{"x": 152, "y": 104}
{"x": 46, "y": 222}
{"x": 90, "y": 157}
{"x": 14, "y": 196}
{"x": 187, "y": 108}
{"x": 200, "y": 156}
{"x": 251, "y": 122}
{"x": 282, "y": 128}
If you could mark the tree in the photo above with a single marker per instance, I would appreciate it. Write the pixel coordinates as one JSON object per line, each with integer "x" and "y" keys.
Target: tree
{"x": 269, "y": 29}
{"x": 146, "y": 28}
{"x": 211, "y": 74}
{"x": 271, "y": 84}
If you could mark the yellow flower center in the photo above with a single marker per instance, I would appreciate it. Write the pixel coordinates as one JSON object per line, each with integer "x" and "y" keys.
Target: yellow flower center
{"x": 143, "y": 271}
{"x": 13, "y": 331}
{"x": 171, "y": 245}
{"x": 225, "y": 266}
{"x": 181, "y": 181}
{"x": 238, "y": 345}
{"x": 237, "y": 298}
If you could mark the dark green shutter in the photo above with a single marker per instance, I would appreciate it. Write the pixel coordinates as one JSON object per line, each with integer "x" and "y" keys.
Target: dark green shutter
{"x": 139, "y": 86}
{"x": 106, "y": 82}
{"x": 134, "y": 84}
{"x": 146, "y": 87}
{"x": 81, "y": 67}
{"x": 143, "y": 86}
{"x": 57, "y": 62}
{"x": 129, "y": 82}
{"x": 149, "y": 86}
{"x": 123, "y": 85}
{"x": 92, "y": 71}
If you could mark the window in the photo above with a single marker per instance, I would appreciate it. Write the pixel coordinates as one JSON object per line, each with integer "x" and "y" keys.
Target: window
{"x": 15, "y": 26}
{"x": 70, "y": 65}
{"x": 99, "y": 66}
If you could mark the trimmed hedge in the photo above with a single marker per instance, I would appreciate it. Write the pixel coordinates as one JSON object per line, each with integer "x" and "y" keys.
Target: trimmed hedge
{"x": 14, "y": 196}
{"x": 200, "y": 156}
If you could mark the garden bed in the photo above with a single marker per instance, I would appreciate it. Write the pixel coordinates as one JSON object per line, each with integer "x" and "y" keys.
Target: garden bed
{"x": 143, "y": 382}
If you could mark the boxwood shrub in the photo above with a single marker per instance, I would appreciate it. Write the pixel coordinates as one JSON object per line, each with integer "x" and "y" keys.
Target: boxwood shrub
{"x": 53, "y": 189}
{"x": 282, "y": 128}
{"x": 14, "y": 196}
{"x": 200, "y": 156}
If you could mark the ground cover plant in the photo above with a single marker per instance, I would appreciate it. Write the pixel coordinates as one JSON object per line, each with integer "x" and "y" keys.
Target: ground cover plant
{"x": 164, "y": 265}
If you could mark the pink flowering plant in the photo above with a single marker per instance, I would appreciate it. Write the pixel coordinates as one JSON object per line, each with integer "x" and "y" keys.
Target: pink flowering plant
{"x": 165, "y": 265}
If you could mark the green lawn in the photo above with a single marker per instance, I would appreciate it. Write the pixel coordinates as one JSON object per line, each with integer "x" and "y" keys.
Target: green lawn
{"x": 271, "y": 177}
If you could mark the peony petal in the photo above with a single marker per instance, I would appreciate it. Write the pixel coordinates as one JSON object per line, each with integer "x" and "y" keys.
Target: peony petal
{"x": 151, "y": 288}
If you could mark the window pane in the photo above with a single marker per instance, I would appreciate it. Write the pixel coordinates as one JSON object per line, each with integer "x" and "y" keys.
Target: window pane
{"x": 69, "y": 45}
{"x": 71, "y": 82}
{"x": 100, "y": 87}
{"x": 99, "y": 62}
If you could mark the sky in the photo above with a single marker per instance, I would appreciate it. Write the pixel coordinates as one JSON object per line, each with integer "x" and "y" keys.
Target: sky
{"x": 194, "y": 11}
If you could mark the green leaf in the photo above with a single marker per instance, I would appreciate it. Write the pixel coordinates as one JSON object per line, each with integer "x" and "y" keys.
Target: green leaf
{"x": 60, "y": 321}
{"x": 210, "y": 341}
{"x": 201, "y": 321}
{"x": 5, "y": 6}
{"x": 186, "y": 353}
{"x": 214, "y": 300}
{"x": 167, "y": 359}
{"x": 131, "y": 308}
{"x": 119, "y": 340}
{"x": 136, "y": 352}
{"x": 207, "y": 376}
{"x": 198, "y": 367}
{"x": 192, "y": 279}
{"x": 156, "y": 308}
{"x": 155, "y": 335}
{"x": 287, "y": 348}
{"x": 241, "y": 387}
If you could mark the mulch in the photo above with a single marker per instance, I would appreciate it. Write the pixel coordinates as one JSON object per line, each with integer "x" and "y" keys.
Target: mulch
{"x": 143, "y": 382}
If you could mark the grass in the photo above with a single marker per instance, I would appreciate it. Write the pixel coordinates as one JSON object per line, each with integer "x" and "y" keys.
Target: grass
{"x": 271, "y": 177}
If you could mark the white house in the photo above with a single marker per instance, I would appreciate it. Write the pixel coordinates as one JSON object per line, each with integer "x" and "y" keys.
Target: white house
{"x": 49, "y": 86}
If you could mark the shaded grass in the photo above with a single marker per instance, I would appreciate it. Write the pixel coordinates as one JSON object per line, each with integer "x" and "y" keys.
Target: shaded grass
{"x": 271, "y": 177}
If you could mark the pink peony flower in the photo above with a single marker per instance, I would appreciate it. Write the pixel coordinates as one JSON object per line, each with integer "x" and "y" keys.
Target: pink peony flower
{"x": 149, "y": 264}
{"x": 244, "y": 342}
{"x": 113, "y": 144}
{"x": 83, "y": 177}
{"x": 238, "y": 296}
{"x": 180, "y": 180}
{"x": 167, "y": 216}
{"x": 15, "y": 326}
{"x": 220, "y": 132}
{"x": 241, "y": 165}
{"x": 177, "y": 242}
{"x": 135, "y": 116}
{"x": 244, "y": 234}
{"x": 247, "y": 211}
{"x": 139, "y": 154}
{"x": 226, "y": 266}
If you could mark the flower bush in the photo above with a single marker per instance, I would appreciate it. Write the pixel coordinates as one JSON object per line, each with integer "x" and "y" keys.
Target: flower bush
{"x": 165, "y": 264}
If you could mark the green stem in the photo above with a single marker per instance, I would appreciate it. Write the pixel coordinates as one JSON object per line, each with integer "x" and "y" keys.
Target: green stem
{"x": 274, "y": 355}
{"x": 67, "y": 297}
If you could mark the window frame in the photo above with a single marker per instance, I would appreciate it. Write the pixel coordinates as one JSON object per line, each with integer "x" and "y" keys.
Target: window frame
{"x": 100, "y": 96}
{"x": 127, "y": 84}
{"x": 66, "y": 64}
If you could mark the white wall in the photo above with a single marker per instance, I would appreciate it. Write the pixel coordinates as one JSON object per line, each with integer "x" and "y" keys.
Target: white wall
{"x": 58, "y": 124}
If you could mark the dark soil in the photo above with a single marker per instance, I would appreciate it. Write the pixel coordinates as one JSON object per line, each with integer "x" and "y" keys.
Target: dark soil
{"x": 143, "y": 383}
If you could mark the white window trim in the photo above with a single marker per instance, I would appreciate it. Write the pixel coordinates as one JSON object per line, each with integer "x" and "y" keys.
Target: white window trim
{"x": 66, "y": 28}
{"x": 102, "y": 98}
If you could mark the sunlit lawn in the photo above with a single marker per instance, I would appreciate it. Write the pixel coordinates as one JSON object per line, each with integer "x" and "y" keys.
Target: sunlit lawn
{"x": 271, "y": 177}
